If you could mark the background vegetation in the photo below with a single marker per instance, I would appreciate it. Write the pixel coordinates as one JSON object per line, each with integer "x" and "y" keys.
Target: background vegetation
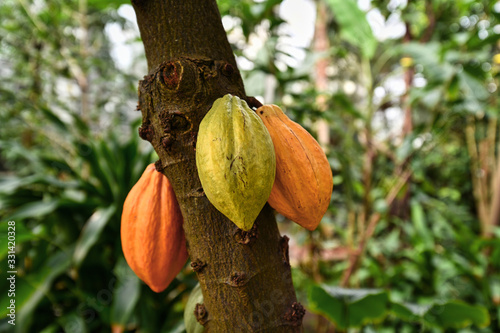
{"x": 405, "y": 103}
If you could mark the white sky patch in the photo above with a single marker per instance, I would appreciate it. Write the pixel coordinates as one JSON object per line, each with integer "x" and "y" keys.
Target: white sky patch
{"x": 395, "y": 85}
{"x": 388, "y": 124}
{"x": 395, "y": 4}
{"x": 125, "y": 49}
{"x": 364, "y": 5}
{"x": 127, "y": 12}
{"x": 298, "y": 31}
{"x": 300, "y": 16}
{"x": 496, "y": 7}
{"x": 378, "y": 95}
{"x": 419, "y": 80}
{"x": 392, "y": 28}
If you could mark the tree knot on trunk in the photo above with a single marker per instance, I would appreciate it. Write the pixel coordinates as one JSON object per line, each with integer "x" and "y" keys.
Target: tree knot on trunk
{"x": 284, "y": 249}
{"x": 198, "y": 265}
{"x": 201, "y": 314}
{"x": 146, "y": 132}
{"x": 167, "y": 141}
{"x": 196, "y": 193}
{"x": 246, "y": 237}
{"x": 158, "y": 166}
{"x": 171, "y": 74}
{"x": 175, "y": 96}
{"x": 295, "y": 314}
{"x": 239, "y": 279}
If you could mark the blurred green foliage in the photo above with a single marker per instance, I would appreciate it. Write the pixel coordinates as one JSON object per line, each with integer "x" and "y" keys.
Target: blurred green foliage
{"x": 406, "y": 246}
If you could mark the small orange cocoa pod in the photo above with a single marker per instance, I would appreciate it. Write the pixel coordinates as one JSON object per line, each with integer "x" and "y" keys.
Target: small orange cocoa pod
{"x": 303, "y": 184}
{"x": 153, "y": 240}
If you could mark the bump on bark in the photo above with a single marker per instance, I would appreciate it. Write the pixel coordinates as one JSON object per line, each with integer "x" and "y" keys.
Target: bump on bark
{"x": 158, "y": 166}
{"x": 146, "y": 132}
{"x": 194, "y": 138}
{"x": 284, "y": 249}
{"x": 239, "y": 279}
{"x": 170, "y": 75}
{"x": 246, "y": 237}
{"x": 295, "y": 314}
{"x": 198, "y": 265}
{"x": 201, "y": 314}
{"x": 167, "y": 141}
{"x": 227, "y": 70}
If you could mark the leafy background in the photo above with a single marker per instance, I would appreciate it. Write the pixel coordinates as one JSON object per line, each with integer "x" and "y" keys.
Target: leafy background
{"x": 409, "y": 122}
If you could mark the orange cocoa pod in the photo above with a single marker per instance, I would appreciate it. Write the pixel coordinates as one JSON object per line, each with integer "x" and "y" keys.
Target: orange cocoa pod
{"x": 303, "y": 184}
{"x": 153, "y": 240}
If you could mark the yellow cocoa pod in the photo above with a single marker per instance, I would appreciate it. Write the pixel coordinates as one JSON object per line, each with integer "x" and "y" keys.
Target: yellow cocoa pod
{"x": 235, "y": 160}
{"x": 153, "y": 240}
{"x": 304, "y": 182}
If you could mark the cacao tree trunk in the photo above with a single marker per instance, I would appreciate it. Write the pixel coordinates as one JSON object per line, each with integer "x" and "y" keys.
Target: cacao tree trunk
{"x": 244, "y": 276}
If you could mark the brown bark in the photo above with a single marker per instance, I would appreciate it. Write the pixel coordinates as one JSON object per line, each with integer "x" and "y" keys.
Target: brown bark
{"x": 244, "y": 276}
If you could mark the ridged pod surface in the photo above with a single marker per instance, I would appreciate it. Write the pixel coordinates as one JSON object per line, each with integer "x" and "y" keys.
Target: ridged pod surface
{"x": 304, "y": 182}
{"x": 153, "y": 240}
{"x": 235, "y": 160}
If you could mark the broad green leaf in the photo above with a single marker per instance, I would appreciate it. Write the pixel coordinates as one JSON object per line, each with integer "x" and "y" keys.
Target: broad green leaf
{"x": 125, "y": 295}
{"x": 91, "y": 232}
{"x": 9, "y": 185}
{"x": 179, "y": 328}
{"x": 457, "y": 314}
{"x": 428, "y": 55}
{"x": 73, "y": 323}
{"x": 451, "y": 314}
{"x": 22, "y": 234}
{"x": 53, "y": 328}
{"x": 34, "y": 209}
{"x": 408, "y": 312}
{"x": 32, "y": 288}
{"x": 354, "y": 27}
{"x": 472, "y": 87}
{"x": 349, "y": 307}
{"x": 106, "y": 5}
{"x": 419, "y": 221}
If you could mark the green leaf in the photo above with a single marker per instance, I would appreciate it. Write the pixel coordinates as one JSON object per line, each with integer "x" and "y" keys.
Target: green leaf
{"x": 472, "y": 87}
{"x": 31, "y": 289}
{"x": 457, "y": 314}
{"x": 125, "y": 295}
{"x": 73, "y": 323}
{"x": 9, "y": 185}
{"x": 349, "y": 307}
{"x": 22, "y": 235}
{"x": 34, "y": 209}
{"x": 91, "y": 232}
{"x": 103, "y": 5}
{"x": 451, "y": 314}
{"x": 428, "y": 55}
{"x": 354, "y": 27}
{"x": 408, "y": 312}
{"x": 418, "y": 219}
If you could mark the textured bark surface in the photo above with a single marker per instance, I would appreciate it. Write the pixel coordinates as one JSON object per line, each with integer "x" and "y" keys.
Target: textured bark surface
{"x": 244, "y": 276}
